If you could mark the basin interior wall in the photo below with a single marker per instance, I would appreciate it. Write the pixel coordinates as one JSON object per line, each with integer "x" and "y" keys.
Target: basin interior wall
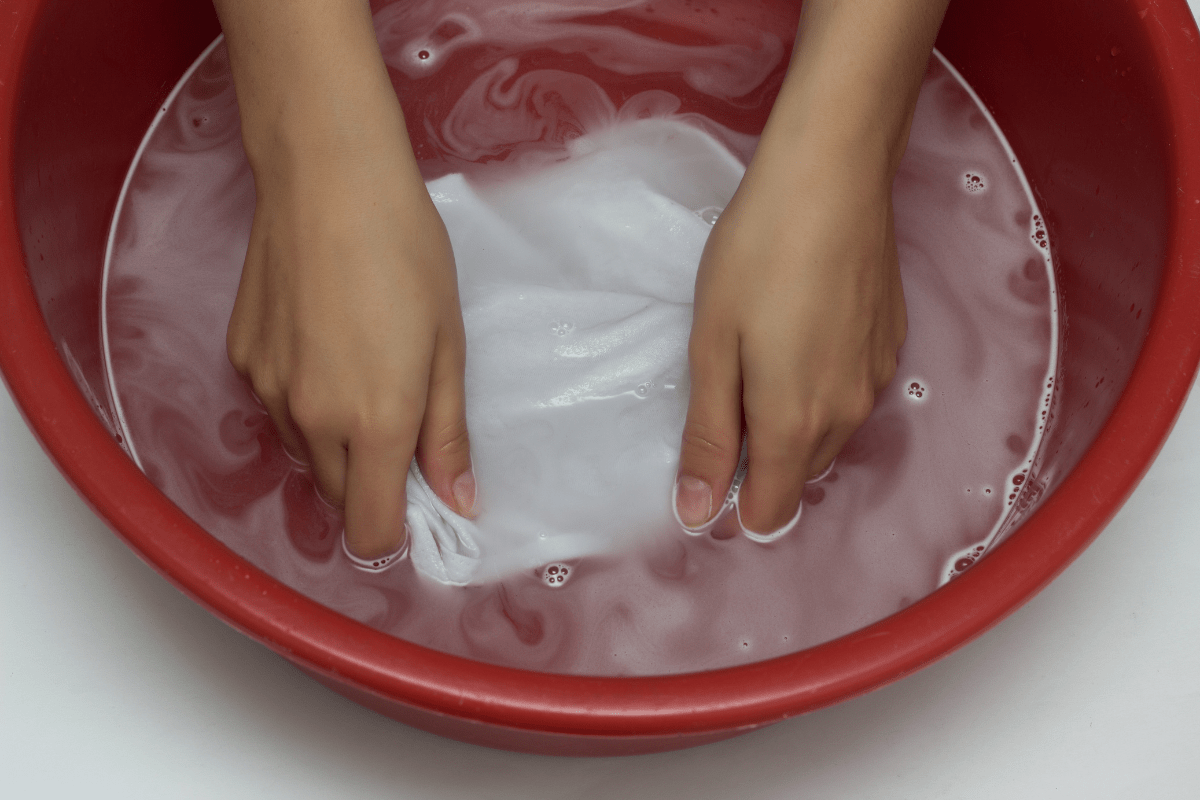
{"x": 1074, "y": 84}
{"x": 1073, "y": 91}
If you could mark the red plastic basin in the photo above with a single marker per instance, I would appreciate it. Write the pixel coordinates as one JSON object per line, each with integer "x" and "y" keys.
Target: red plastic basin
{"x": 1100, "y": 101}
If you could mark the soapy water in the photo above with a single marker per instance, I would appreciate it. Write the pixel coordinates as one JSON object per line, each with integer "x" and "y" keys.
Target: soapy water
{"x": 579, "y": 158}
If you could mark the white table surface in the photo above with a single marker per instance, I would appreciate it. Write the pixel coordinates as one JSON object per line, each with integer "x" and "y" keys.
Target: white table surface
{"x": 113, "y": 684}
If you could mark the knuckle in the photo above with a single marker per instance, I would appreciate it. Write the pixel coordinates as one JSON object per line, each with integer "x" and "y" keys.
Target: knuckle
{"x": 331, "y": 490}
{"x": 384, "y": 421}
{"x": 239, "y": 356}
{"x": 795, "y": 438}
{"x": 268, "y": 388}
{"x": 238, "y": 346}
{"x": 858, "y": 406}
{"x": 791, "y": 427}
{"x": 886, "y": 370}
{"x": 310, "y": 409}
{"x": 703, "y": 442}
{"x": 242, "y": 354}
{"x": 900, "y": 325}
{"x": 452, "y": 440}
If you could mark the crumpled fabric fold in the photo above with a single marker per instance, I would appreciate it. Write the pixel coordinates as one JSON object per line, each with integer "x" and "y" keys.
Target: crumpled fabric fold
{"x": 576, "y": 281}
{"x": 442, "y": 544}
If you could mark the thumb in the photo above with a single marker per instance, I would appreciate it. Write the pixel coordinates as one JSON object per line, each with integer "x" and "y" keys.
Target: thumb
{"x": 712, "y": 434}
{"x": 443, "y": 447}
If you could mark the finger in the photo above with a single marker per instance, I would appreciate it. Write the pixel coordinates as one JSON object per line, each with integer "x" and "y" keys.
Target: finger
{"x": 443, "y": 447}
{"x": 895, "y": 300}
{"x": 277, "y": 409}
{"x": 323, "y": 434}
{"x": 788, "y": 446}
{"x": 268, "y": 392}
{"x": 853, "y": 416}
{"x": 328, "y": 455}
{"x": 785, "y": 426}
{"x": 376, "y": 473}
{"x": 712, "y": 434}
{"x": 827, "y": 451}
{"x": 324, "y": 438}
{"x": 780, "y": 447}
{"x": 834, "y": 440}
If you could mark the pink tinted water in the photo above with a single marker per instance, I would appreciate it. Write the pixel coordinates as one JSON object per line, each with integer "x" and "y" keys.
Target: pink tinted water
{"x": 934, "y": 477}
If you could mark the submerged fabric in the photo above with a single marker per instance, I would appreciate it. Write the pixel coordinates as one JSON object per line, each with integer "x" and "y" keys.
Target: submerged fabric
{"x": 576, "y": 281}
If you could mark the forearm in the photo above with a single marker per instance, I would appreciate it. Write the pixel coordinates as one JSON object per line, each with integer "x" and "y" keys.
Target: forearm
{"x": 853, "y": 82}
{"x": 311, "y": 83}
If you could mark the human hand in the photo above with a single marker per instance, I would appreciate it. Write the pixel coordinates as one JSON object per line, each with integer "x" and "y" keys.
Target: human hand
{"x": 799, "y": 314}
{"x": 347, "y": 324}
{"x": 799, "y": 309}
{"x": 347, "y": 321}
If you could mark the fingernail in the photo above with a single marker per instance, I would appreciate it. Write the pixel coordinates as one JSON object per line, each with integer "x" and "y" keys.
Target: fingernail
{"x": 379, "y": 563}
{"x": 464, "y": 493}
{"x": 693, "y": 501}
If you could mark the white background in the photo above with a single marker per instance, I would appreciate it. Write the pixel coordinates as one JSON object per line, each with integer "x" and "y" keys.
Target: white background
{"x": 112, "y": 684}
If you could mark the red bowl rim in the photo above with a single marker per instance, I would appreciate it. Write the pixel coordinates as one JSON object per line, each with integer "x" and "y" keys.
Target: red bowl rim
{"x": 349, "y": 652}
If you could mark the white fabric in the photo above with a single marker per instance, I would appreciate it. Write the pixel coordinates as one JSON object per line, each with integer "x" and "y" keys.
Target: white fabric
{"x": 576, "y": 282}
{"x": 441, "y": 543}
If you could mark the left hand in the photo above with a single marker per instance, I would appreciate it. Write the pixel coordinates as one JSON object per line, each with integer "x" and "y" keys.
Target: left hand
{"x": 799, "y": 314}
{"x": 799, "y": 309}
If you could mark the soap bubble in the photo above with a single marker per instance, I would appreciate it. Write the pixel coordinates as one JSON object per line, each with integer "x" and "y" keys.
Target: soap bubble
{"x": 555, "y": 575}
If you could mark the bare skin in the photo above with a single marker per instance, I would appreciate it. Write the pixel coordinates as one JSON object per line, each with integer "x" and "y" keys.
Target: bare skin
{"x": 799, "y": 308}
{"x": 347, "y": 321}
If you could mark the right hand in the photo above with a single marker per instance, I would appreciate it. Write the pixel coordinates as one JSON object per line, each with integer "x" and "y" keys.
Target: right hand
{"x": 347, "y": 324}
{"x": 798, "y": 319}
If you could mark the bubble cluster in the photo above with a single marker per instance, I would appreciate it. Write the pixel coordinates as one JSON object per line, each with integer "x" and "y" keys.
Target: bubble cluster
{"x": 1039, "y": 233}
{"x": 561, "y": 328}
{"x": 555, "y": 575}
{"x": 916, "y": 391}
{"x": 1031, "y": 492}
{"x": 974, "y": 183}
{"x": 966, "y": 561}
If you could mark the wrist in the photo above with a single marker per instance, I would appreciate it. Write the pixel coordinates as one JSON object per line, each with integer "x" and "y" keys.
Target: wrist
{"x": 817, "y": 151}
{"x": 853, "y": 82}
{"x": 311, "y": 83}
{"x": 310, "y": 129}
{"x": 844, "y": 120}
{"x": 824, "y": 165}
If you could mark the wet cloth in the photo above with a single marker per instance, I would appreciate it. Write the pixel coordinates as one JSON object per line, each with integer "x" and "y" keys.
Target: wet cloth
{"x": 576, "y": 280}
